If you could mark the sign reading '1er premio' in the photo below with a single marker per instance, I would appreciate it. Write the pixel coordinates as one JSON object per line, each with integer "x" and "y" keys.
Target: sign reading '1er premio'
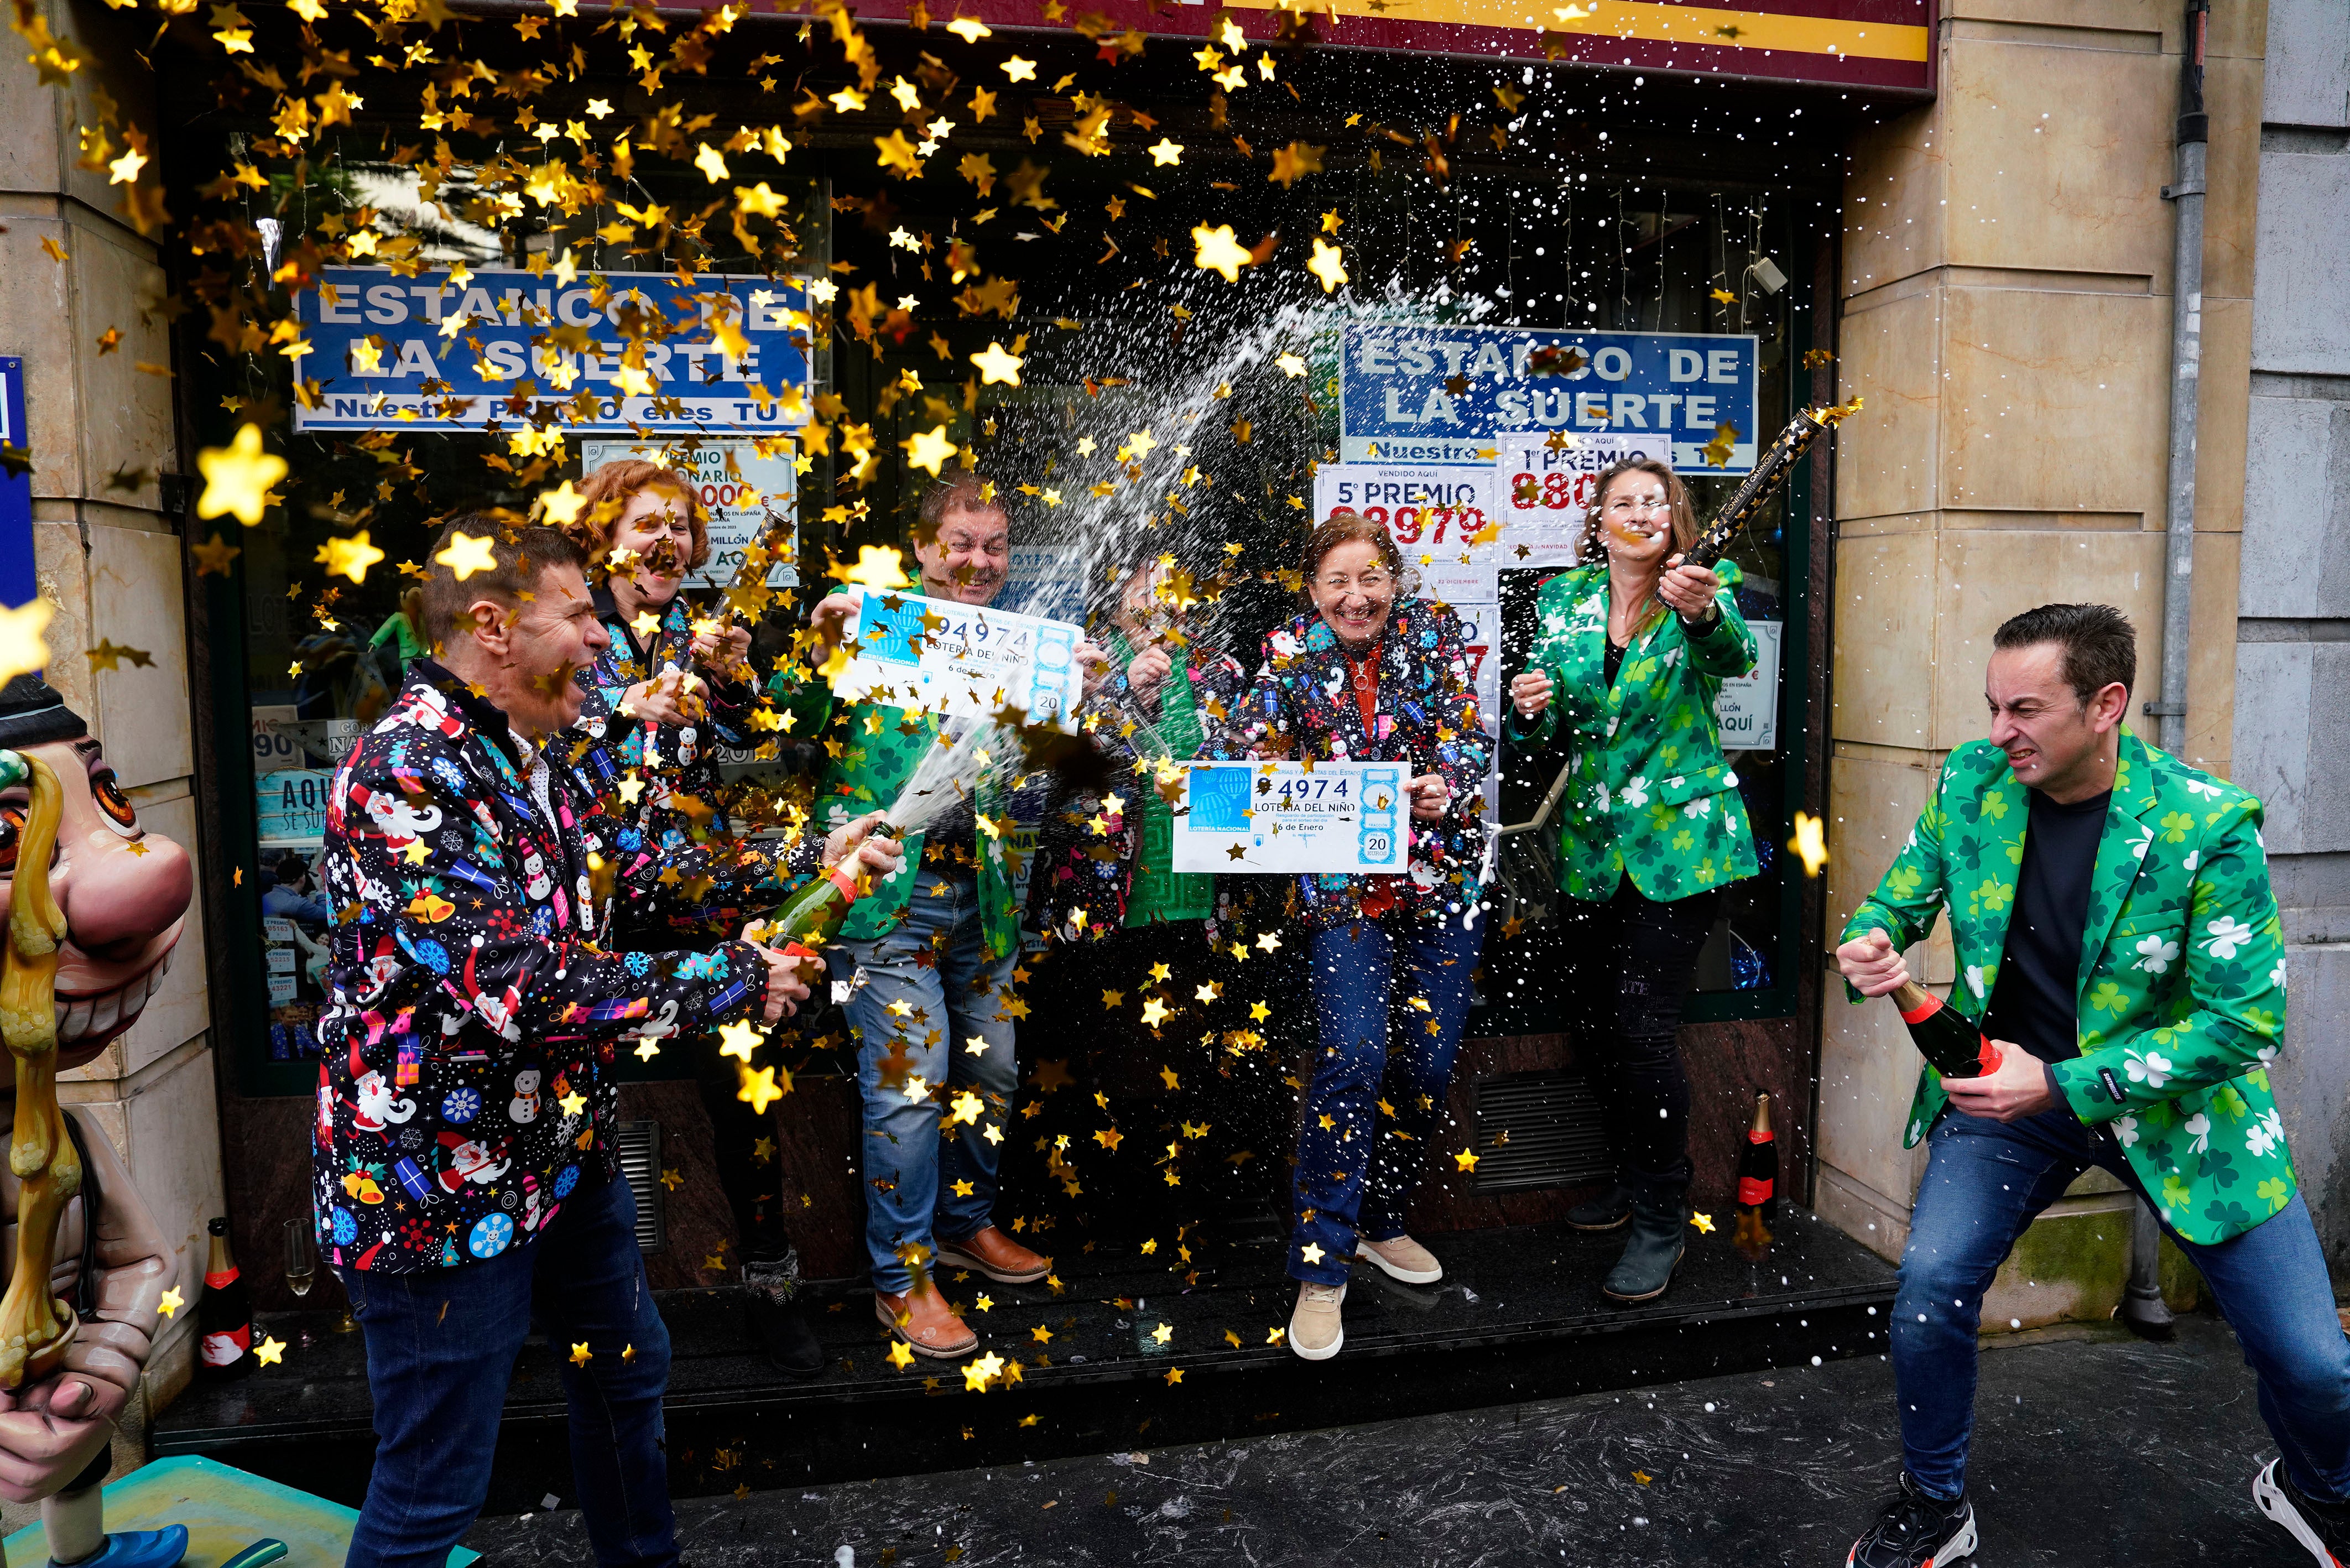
{"x": 1411, "y": 392}
{"x": 439, "y": 352}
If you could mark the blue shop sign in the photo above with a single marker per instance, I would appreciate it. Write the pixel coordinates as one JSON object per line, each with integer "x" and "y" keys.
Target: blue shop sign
{"x": 1413, "y": 392}
{"x": 429, "y": 352}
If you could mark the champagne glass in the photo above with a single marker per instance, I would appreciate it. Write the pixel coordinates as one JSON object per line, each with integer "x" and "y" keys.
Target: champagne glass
{"x": 301, "y": 1261}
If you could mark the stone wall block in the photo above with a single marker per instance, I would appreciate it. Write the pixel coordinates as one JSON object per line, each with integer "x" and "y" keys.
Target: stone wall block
{"x": 1892, "y": 207}
{"x": 135, "y": 600}
{"x": 1989, "y": 575}
{"x": 2296, "y": 561}
{"x": 2224, "y": 400}
{"x": 1884, "y": 656}
{"x": 37, "y": 322}
{"x": 2309, "y": 83}
{"x": 126, "y": 427}
{"x": 1887, "y": 457}
{"x": 2301, "y": 274}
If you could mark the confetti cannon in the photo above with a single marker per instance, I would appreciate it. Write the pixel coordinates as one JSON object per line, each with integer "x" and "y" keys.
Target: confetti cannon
{"x": 34, "y": 1327}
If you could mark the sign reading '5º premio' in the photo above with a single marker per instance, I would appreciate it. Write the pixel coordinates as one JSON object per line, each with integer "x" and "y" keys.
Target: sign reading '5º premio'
{"x": 1413, "y": 392}
{"x": 1333, "y": 817}
{"x": 952, "y": 659}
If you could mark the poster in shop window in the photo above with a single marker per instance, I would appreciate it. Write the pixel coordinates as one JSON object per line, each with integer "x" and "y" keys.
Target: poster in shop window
{"x": 745, "y": 496}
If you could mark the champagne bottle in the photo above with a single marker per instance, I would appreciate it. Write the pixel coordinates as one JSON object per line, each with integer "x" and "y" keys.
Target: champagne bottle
{"x": 1758, "y": 1183}
{"x": 224, "y": 1315}
{"x": 809, "y": 919}
{"x": 1956, "y": 1047}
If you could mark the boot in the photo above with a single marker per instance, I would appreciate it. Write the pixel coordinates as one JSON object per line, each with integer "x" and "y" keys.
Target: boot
{"x": 1653, "y": 1251}
{"x": 1605, "y": 1212}
{"x": 772, "y": 1285}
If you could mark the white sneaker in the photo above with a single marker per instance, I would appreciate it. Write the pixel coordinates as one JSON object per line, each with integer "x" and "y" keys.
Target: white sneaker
{"x": 1401, "y": 1258}
{"x": 1315, "y": 1331}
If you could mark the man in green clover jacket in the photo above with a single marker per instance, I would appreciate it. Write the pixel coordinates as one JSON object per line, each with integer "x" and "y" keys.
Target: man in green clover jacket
{"x": 2113, "y": 926}
{"x": 928, "y": 956}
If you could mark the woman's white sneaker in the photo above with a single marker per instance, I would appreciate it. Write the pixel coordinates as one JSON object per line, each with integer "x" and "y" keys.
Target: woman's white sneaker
{"x": 1315, "y": 1331}
{"x": 1401, "y": 1258}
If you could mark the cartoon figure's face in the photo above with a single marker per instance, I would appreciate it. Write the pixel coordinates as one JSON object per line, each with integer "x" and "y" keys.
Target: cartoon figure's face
{"x": 526, "y": 1081}
{"x": 123, "y": 891}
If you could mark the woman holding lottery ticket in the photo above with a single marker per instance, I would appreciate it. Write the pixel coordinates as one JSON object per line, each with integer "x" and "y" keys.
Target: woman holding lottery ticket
{"x": 1370, "y": 674}
{"x": 1630, "y": 651}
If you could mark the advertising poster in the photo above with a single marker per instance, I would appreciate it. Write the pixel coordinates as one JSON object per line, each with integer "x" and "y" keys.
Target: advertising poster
{"x": 743, "y": 495}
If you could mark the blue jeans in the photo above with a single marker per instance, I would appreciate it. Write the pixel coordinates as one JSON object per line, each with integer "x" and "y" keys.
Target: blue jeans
{"x": 1984, "y": 1182}
{"x": 441, "y": 1347}
{"x": 1356, "y": 1175}
{"x": 954, "y": 1036}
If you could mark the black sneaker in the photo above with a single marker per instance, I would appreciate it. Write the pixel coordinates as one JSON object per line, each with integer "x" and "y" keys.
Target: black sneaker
{"x": 1917, "y": 1531}
{"x": 2323, "y": 1527}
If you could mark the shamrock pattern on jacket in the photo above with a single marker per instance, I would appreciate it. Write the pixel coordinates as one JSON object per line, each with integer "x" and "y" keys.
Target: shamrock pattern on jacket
{"x": 1086, "y": 855}
{"x": 2182, "y": 986}
{"x": 473, "y": 1006}
{"x": 1301, "y": 707}
{"x": 1651, "y": 794}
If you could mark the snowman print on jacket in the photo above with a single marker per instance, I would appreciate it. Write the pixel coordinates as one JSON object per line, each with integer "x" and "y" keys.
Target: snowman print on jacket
{"x": 540, "y": 884}
{"x": 524, "y": 1106}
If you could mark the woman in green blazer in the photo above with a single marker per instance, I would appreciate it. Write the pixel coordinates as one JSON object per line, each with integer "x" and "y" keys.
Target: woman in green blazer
{"x": 1629, "y": 653}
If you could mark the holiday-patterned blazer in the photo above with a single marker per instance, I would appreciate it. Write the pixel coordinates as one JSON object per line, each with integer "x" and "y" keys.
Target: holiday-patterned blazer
{"x": 1302, "y": 705}
{"x": 1086, "y": 857}
{"x": 2182, "y": 971}
{"x": 716, "y": 883}
{"x": 474, "y": 1002}
{"x": 1651, "y": 796}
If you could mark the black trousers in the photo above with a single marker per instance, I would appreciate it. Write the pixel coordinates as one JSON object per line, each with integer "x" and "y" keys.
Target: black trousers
{"x": 749, "y": 1183}
{"x": 1632, "y": 974}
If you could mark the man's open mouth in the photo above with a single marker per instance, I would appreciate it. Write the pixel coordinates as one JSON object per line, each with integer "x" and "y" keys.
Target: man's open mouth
{"x": 100, "y": 1015}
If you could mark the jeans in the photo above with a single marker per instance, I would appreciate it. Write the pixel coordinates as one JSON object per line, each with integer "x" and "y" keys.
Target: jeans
{"x": 441, "y": 1347}
{"x": 1358, "y": 1162}
{"x": 1984, "y": 1182}
{"x": 1634, "y": 976}
{"x": 952, "y": 1033}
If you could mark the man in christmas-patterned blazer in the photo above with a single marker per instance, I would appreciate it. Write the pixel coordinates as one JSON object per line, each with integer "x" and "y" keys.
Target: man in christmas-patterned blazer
{"x": 2115, "y": 939}
{"x": 465, "y": 1176}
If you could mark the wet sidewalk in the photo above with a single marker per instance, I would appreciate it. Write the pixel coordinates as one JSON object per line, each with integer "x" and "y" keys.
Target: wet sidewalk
{"x": 2091, "y": 1449}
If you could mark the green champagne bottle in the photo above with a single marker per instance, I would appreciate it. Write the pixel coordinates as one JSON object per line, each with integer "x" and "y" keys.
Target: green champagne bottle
{"x": 809, "y": 917}
{"x": 1956, "y": 1047}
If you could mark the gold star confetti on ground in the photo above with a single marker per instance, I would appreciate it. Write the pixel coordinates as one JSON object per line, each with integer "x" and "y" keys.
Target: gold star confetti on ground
{"x": 1466, "y": 1159}
{"x": 1704, "y": 1222}
{"x": 901, "y": 1355}
{"x": 270, "y": 1352}
{"x": 237, "y": 477}
{"x": 171, "y": 1304}
{"x": 1643, "y": 1476}
{"x": 978, "y": 1374}
{"x": 580, "y": 1355}
{"x": 1174, "y": 1375}
{"x": 1163, "y": 1333}
{"x": 467, "y": 555}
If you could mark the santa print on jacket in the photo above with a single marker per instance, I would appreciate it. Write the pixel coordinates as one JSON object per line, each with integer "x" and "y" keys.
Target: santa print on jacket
{"x": 472, "y": 1014}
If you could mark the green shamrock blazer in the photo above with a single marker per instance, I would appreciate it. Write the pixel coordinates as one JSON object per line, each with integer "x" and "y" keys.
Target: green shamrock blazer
{"x": 2182, "y": 971}
{"x": 1651, "y": 796}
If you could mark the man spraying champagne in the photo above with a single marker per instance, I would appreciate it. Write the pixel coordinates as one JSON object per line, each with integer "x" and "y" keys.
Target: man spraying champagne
{"x": 2119, "y": 948}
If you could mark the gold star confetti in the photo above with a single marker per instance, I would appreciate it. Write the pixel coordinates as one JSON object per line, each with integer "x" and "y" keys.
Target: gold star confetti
{"x": 270, "y": 1352}
{"x": 1466, "y": 1159}
{"x": 580, "y": 1355}
{"x": 349, "y": 557}
{"x": 739, "y": 1039}
{"x": 1704, "y": 1222}
{"x": 759, "y": 1090}
{"x": 901, "y": 1355}
{"x": 467, "y": 555}
{"x": 237, "y": 477}
{"x": 1216, "y": 251}
{"x": 23, "y": 650}
{"x": 1810, "y": 843}
{"x": 171, "y": 1304}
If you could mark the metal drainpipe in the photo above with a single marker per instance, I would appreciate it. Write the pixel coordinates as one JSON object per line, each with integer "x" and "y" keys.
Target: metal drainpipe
{"x": 2142, "y": 1308}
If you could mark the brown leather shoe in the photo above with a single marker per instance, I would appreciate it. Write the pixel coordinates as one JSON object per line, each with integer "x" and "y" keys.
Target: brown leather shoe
{"x": 923, "y": 1320}
{"x": 996, "y": 1255}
